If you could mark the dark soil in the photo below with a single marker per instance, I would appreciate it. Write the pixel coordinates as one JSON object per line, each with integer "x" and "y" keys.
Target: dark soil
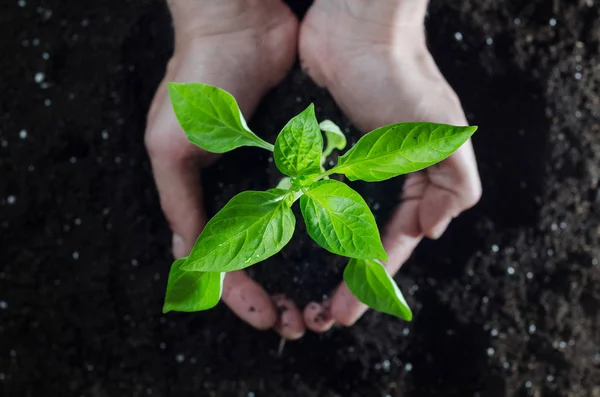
{"x": 506, "y": 303}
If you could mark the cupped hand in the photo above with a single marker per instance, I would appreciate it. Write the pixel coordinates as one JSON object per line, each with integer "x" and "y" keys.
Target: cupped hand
{"x": 244, "y": 47}
{"x": 374, "y": 61}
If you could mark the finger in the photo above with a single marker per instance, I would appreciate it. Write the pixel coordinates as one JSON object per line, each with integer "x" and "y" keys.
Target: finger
{"x": 248, "y": 300}
{"x": 318, "y": 317}
{"x": 456, "y": 186}
{"x": 401, "y": 237}
{"x": 289, "y": 323}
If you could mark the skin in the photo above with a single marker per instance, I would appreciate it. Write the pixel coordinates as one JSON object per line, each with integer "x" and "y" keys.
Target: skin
{"x": 364, "y": 53}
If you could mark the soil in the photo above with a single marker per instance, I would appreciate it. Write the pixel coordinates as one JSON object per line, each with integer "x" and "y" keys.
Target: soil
{"x": 506, "y": 303}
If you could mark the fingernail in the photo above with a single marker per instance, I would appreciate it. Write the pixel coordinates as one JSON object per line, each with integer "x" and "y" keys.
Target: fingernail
{"x": 178, "y": 246}
{"x": 439, "y": 229}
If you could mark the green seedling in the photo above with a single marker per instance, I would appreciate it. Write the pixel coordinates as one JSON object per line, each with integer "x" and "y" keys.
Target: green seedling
{"x": 256, "y": 225}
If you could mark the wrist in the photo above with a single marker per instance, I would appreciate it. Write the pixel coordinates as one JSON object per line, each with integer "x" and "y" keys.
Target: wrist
{"x": 193, "y": 18}
{"x": 401, "y": 12}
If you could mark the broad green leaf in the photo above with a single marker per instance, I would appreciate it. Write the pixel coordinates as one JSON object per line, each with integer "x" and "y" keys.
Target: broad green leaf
{"x": 340, "y": 221}
{"x": 250, "y": 228}
{"x": 372, "y": 285}
{"x": 299, "y": 145}
{"x": 335, "y": 137}
{"x": 192, "y": 291}
{"x": 211, "y": 118}
{"x": 401, "y": 148}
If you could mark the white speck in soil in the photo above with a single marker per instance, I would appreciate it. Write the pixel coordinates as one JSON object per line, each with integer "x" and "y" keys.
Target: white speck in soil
{"x": 552, "y": 22}
{"x": 118, "y": 160}
{"x": 13, "y": 353}
{"x": 77, "y": 221}
{"x": 550, "y": 378}
{"x": 2, "y": 376}
{"x": 331, "y": 163}
{"x": 550, "y": 252}
{"x": 75, "y": 255}
{"x": 66, "y": 228}
{"x": 376, "y": 206}
{"x": 562, "y": 344}
{"x": 35, "y": 42}
{"x": 458, "y": 36}
{"x": 3, "y": 305}
{"x": 490, "y": 351}
{"x": 554, "y": 226}
{"x": 528, "y": 384}
{"x": 85, "y": 22}
{"x": 532, "y": 329}
{"x": 22, "y": 3}
{"x": 298, "y": 99}
{"x": 89, "y": 367}
{"x": 45, "y": 56}
{"x": 47, "y": 102}
{"x": 408, "y": 367}
{"x": 251, "y": 394}
{"x": 39, "y": 77}
{"x": 578, "y": 76}
{"x": 494, "y": 332}
{"x": 485, "y": 299}
{"x": 529, "y": 275}
{"x": 75, "y": 37}
{"x": 597, "y": 358}
{"x": 578, "y": 114}
{"x": 506, "y": 365}
{"x": 270, "y": 159}
{"x": 489, "y": 41}
{"x": 104, "y": 134}
{"x": 495, "y": 248}
{"x": 149, "y": 391}
{"x": 11, "y": 199}
{"x": 156, "y": 276}
{"x": 73, "y": 160}
{"x": 162, "y": 345}
{"x": 517, "y": 21}
{"x": 4, "y": 143}
{"x": 134, "y": 262}
{"x": 510, "y": 270}
{"x": 595, "y": 262}
{"x": 180, "y": 358}
{"x": 23, "y": 134}
{"x": 405, "y": 331}
{"x": 385, "y": 365}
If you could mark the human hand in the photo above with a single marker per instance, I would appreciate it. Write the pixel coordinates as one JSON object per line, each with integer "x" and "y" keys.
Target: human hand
{"x": 244, "y": 47}
{"x": 374, "y": 61}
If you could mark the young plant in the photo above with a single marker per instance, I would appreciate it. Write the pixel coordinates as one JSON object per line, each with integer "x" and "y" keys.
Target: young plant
{"x": 255, "y": 225}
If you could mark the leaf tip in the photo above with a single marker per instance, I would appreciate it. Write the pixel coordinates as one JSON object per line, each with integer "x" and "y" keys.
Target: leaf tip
{"x": 166, "y": 308}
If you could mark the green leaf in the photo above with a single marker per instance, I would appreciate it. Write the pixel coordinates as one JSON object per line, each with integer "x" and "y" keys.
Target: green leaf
{"x": 372, "y": 285}
{"x": 335, "y": 137}
{"x": 299, "y": 145}
{"x": 340, "y": 221}
{"x": 250, "y": 228}
{"x": 211, "y": 118}
{"x": 401, "y": 148}
{"x": 192, "y": 291}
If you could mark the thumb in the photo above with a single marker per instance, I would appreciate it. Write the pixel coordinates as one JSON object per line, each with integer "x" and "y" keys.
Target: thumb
{"x": 178, "y": 183}
{"x": 175, "y": 165}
